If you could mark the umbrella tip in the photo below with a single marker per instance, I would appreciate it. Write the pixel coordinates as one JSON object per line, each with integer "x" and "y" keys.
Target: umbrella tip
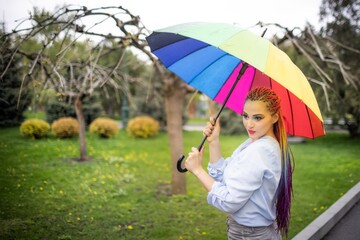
{"x": 262, "y": 35}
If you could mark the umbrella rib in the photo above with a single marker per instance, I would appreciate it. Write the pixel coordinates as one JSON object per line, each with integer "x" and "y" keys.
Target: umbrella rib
{"x": 209, "y": 65}
{"x": 291, "y": 112}
{"x": 311, "y": 127}
{"x": 253, "y": 77}
{"x": 207, "y": 45}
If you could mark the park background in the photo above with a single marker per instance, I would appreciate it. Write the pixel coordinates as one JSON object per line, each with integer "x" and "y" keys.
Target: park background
{"x": 125, "y": 189}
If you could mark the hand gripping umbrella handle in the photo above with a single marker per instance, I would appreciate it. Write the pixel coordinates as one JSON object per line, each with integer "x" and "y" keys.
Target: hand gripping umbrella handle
{"x": 241, "y": 72}
{"x": 182, "y": 157}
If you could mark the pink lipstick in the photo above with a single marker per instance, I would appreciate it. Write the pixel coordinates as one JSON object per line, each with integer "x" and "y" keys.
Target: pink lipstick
{"x": 251, "y": 132}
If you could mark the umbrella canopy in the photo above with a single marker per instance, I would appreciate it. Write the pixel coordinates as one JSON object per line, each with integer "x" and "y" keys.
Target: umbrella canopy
{"x": 209, "y": 56}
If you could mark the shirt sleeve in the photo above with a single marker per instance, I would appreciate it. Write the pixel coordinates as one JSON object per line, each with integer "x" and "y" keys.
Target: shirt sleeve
{"x": 216, "y": 170}
{"x": 244, "y": 177}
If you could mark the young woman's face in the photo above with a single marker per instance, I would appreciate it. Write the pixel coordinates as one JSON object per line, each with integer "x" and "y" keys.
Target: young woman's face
{"x": 257, "y": 120}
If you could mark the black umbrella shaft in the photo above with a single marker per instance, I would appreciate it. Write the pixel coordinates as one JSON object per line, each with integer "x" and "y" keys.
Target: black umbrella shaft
{"x": 241, "y": 73}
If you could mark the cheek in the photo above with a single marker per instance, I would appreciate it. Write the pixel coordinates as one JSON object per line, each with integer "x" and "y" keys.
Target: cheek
{"x": 268, "y": 124}
{"x": 244, "y": 121}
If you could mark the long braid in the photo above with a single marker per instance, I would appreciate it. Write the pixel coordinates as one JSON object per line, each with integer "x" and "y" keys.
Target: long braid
{"x": 284, "y": 191}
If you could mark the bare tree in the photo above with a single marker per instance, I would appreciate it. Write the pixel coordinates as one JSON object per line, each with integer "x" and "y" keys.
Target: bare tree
{"x": 82, "y": 75}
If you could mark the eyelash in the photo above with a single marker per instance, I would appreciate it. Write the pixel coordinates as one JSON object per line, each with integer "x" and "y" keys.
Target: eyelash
{"x": 256, "y": 118}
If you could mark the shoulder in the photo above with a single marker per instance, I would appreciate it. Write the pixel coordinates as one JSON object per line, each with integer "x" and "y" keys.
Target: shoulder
{"x": 265, "y": 148}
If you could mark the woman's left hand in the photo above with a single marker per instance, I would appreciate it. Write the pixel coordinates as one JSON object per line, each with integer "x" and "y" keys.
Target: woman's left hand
{"x": 194, "y": 160}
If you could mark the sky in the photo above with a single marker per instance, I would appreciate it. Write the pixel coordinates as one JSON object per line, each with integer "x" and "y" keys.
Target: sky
{"x": 156, "y": 14}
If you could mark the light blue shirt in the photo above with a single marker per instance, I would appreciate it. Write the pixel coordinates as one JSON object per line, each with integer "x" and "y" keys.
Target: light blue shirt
{"x": 246, "y": 182}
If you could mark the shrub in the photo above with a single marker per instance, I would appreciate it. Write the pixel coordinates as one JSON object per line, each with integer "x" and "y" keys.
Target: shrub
{"x": 34, "y": 128}
{"x": 143, "y": 127}
{"x": 66, "y": 127}
{"x": 104, "y": 127}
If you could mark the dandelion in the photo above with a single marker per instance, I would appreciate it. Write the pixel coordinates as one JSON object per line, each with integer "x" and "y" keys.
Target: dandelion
{"x": 61, "y": 192}
{"x": 41, "y": 189}
{"x": 78, "y": 219}
{"x": 130, "y": 227}
{"x": 70, "y": 213}
{"x": 203, "y": 233}
{"x": 18, "y": 185}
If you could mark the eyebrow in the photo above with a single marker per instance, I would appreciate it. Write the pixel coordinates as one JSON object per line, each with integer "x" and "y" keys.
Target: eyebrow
{"x": 257, "y": 114}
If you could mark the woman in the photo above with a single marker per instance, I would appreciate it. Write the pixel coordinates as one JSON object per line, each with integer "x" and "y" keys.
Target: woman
{"x": 254, "y": 184}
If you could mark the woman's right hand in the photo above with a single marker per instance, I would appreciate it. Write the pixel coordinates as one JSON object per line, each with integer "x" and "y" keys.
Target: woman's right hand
{"x": 212, "y": 131}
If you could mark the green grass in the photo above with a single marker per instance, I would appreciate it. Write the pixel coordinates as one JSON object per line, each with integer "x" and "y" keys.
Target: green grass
{"x": 121, "y": 193}
{"x": 195, "y": 121}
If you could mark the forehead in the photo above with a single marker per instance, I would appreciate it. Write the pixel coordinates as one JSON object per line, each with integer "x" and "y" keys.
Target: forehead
{"x": 255, "y": 107}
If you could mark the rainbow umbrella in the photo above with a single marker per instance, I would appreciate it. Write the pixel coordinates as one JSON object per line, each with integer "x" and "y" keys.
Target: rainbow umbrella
{"x": 225, "y": 62}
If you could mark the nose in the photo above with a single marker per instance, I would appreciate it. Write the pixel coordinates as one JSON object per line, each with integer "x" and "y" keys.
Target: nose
{"x": 250, "y": 123}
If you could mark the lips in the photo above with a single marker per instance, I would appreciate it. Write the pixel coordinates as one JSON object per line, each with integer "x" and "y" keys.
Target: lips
{"x": 251, "y": 132}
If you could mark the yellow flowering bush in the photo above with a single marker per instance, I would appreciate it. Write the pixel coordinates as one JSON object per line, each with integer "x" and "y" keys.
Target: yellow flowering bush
{"x": 34, "y": 128}
{"x": 65, "y": 127}
{"x": 104, "y": 127}
{"x": 143, "y": 127}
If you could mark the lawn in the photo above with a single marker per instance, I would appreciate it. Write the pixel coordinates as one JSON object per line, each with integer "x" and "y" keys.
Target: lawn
{"x": 122, "y": 192}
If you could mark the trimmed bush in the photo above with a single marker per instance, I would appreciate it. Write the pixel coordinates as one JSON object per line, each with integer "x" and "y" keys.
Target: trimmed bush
{"x": 143, "y": 127}
{"x": 66, "y": 127}
{"x": 35, "y": 128}
{"x": 104, "y": 127}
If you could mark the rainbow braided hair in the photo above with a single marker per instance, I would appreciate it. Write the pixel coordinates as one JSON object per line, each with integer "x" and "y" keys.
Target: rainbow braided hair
{"x": 284, "y": 191}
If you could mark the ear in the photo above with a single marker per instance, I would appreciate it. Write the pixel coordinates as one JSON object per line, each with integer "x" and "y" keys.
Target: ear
{"x": 275, "y": 118}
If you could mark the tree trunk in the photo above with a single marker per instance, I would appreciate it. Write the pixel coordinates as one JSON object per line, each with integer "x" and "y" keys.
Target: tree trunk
{"x": 174, "y": 104}
{"x": 354, "y": 127}
{"x": 80, "y": 117}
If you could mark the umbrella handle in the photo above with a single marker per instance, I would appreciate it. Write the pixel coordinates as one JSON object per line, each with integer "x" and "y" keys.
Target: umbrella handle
{"x": 178, "y": 165}
{"x": 182, "y": 157}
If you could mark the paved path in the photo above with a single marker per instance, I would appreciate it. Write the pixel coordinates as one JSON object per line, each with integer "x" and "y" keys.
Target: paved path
{"x": 348, "y": 228}
{"x": 341, "y": 221}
